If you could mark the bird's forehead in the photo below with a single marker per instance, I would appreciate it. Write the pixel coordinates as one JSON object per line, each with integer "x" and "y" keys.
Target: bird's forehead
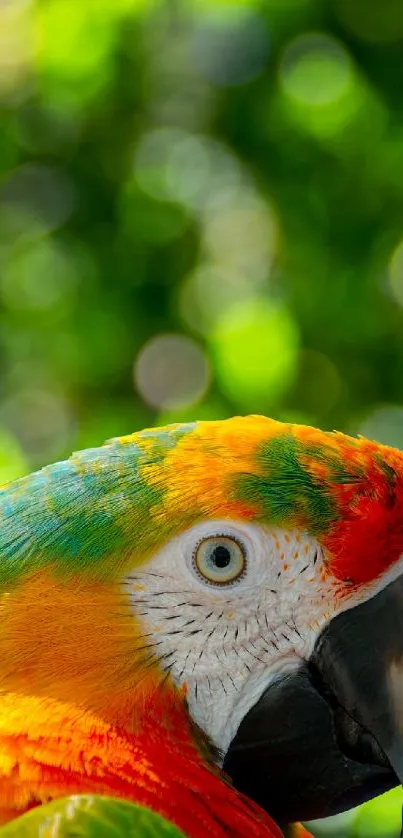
{"x": 347, "y": 492}
{"x": 111, "y": 507}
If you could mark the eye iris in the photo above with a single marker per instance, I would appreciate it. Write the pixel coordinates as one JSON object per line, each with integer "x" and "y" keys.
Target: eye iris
{"x": 220, "y": 556}
{"x": 220, "y": 559}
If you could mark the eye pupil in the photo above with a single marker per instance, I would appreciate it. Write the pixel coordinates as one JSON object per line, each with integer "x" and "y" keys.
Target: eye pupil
{"x": 221, "y": 556}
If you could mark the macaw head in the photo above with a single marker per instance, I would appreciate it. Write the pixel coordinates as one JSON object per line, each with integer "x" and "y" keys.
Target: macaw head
{"x": 252, "y": 568}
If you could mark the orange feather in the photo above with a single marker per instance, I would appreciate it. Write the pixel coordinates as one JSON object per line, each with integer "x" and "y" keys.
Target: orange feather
{"x": 50, "y": 749}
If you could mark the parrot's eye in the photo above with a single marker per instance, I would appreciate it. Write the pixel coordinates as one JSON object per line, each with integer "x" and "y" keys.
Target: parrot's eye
{"x": 220, "y": 559}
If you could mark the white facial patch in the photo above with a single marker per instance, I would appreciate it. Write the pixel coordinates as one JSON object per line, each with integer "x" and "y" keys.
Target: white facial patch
{"x": 227, "y": 642}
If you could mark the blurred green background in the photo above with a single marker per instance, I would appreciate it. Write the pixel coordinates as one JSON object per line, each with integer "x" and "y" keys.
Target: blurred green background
{"x": 201, "y": 214}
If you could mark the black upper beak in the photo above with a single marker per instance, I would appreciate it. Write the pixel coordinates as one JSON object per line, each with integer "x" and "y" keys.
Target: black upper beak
{"x": 330, "y": 735}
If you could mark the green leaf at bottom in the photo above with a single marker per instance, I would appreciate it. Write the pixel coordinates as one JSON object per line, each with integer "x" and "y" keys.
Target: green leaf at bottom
{"x": 90, "y": 816}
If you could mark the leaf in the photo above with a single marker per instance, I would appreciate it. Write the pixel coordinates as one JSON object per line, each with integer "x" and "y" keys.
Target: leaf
{"x": 90, "y": 816}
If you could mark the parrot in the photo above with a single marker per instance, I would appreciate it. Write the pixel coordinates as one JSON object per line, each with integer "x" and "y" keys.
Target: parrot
{"x": 204, "y": 619}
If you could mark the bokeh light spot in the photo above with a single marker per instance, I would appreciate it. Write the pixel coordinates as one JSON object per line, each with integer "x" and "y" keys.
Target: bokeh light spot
{"x": 230, "y": 48}
{"x": 41, "y": 419}
{"x": 325, "y": 95}
{"x": 16, "y": 48}
{"x": 241, "y": 237}
{"x": 171, "y": 371}
{"x": 210, "y": 290}
{"x": 152, "y": 158}
{"x": 316, "y": 69}
{"x": 255, "y": 346}
{"x": 39, "y": 278}
{"x": 73, "y": 37}
{"x": 170, "y": 164}
{"x": 74, "y": 48}
{"x": 34, "y": 200}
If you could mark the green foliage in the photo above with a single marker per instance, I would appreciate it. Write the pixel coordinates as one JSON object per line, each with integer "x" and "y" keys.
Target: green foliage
{"x": 380, "y": 818}
{"x": 90, "y": 816}
{"x": 225, "y": 171}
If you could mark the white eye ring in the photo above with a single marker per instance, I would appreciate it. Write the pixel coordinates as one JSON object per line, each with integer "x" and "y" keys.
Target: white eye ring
{"x": 220, "y": 559}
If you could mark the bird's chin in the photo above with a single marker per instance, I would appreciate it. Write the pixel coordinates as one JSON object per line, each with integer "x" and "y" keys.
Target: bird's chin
{"x": 330, "y": 735}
